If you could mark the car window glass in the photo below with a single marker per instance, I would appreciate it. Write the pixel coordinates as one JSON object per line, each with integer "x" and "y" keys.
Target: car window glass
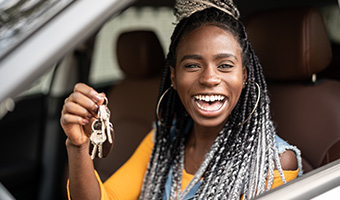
{"x": 67, "y": 67}
{"x": 331, "y": 15}
{"x": 104, "y": 65}
{"x": 40, "y": 86}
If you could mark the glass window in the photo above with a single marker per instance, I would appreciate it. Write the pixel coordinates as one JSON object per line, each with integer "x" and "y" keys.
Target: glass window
{"x": 331, "y": 15}
{"x": 104, "y": 65}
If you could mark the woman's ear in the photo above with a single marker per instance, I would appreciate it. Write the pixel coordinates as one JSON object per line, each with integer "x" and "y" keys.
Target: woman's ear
{"x": 173, "y": 77}
{"x": 245, "y": 76}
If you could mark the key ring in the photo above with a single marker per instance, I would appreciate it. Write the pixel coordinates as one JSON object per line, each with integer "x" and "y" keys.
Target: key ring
{"x": 102, "y": 132}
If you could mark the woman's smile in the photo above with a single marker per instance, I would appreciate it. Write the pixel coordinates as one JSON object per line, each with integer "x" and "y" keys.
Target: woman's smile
{"x": 210, "y": 103}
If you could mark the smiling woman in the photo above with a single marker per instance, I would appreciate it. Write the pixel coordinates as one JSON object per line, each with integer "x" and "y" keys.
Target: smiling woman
{"x": 209, "y": 64}
{"x": 210, "y": 56}
{"x": 214, "y": 137}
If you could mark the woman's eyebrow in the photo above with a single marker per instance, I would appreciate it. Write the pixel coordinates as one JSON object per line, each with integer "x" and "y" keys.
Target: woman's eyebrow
{"x": 199, "y": 57}
{"x": 193, "y": 56}
{"x": 225, "y": 55}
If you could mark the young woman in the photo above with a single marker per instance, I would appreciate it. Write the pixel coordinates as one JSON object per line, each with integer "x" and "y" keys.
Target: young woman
{"x": 214, "y": 137}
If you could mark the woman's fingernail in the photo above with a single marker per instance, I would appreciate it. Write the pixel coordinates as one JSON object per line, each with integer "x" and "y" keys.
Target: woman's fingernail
{"x": 89, "y": 116}
{"x": 95, "y": 110}
{"x": 96, "y": 96}
{"x": 85, "y": 121}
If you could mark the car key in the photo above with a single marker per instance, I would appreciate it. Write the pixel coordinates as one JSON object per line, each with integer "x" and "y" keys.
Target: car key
{"x": 104, "y": 114}
{"x": 102, "y": 130}
{"x": 95, "y": 137}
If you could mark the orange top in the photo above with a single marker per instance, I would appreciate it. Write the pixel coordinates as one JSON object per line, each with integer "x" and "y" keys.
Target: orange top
{"x": 126, "y": 183}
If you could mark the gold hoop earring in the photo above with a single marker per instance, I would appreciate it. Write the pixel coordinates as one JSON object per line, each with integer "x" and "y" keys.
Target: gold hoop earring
{"x": 158, "y": 104}
{"x": 257, "y": 101}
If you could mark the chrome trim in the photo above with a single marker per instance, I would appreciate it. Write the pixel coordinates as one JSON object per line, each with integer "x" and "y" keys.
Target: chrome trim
{"x": 309, "y": 185}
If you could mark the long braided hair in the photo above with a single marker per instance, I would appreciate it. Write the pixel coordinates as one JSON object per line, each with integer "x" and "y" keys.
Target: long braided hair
{"x": 243, "y": 156}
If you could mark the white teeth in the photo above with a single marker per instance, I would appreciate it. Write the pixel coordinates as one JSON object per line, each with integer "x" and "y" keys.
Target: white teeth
{"x": 208, "y": 109}
{"x": 209, "y": 98}
{"x": 201, "y": 107}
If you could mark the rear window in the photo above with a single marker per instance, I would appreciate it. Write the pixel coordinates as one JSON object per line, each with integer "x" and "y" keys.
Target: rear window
{"x": 104, "y": 65}
{"x": 331, "y": 15}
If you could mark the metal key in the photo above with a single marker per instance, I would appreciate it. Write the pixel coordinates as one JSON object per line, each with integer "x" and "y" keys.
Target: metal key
{"x": 109, "y": 131}
{"x": 101, "y": 138}
{"x": 104, "y": 114}
{"x": 93, "y": 140}
{"x": 97, "y": 138}
{"x": 94, "y": 150}
{"x": 102, "y": 130}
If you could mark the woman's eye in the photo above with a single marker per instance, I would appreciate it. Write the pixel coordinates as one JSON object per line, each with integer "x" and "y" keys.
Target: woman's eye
{"x": 191, "y": 66}
{"x": 225, "y": 66}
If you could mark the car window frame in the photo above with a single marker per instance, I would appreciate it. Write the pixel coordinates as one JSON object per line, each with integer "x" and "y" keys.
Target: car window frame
{"x": 309, "y": 185}
{"x": 38, "y": 53}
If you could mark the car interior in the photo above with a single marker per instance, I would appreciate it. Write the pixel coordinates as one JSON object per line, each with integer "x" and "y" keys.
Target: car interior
{"x": 124, "y": 59}
{"x": 133, "y": 100}
{"x": 298, "y": 96}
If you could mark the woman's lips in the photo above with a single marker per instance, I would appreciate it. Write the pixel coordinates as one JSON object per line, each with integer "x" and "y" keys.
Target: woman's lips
{"x": 210, "y": 103}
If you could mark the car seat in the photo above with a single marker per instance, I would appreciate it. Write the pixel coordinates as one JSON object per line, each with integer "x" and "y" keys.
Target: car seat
{"x": 133, "y": 101}
{"x": 333, "y": 70}
{"x": 293, "y": 47}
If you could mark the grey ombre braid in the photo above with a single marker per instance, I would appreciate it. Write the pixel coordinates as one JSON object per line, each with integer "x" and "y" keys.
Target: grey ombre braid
{"x": 242, "y": 158}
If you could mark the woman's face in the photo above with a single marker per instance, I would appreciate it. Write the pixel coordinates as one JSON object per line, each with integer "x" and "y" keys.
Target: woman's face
{"x": 209, "y": 75}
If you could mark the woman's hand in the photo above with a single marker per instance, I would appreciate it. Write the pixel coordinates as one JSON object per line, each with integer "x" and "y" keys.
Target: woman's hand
{"x": 79, "y": 111}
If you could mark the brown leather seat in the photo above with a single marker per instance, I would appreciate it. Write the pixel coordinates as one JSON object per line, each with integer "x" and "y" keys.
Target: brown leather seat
{"x": 293, "y": 47}
{"x": 333, "y": 70}
{"x": 133, "y": 101}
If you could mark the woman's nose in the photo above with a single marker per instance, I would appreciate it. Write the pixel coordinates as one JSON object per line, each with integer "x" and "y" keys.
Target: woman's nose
{"x": 210, "y": 77}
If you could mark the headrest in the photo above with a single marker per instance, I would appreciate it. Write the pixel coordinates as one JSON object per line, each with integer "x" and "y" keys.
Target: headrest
{"x": 292, "y": 44}
{"x": 140, "y": 54}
